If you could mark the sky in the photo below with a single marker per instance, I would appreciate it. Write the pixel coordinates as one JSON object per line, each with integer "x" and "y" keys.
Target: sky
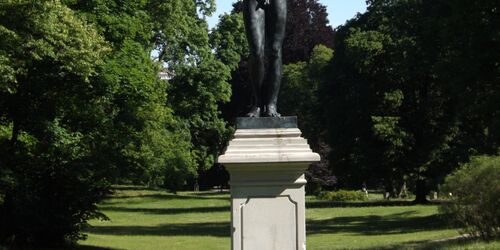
{"x": 339, "y": 11}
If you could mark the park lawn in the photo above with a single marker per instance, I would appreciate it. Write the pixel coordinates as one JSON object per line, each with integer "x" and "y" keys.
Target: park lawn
{"x": 153, "y": 219}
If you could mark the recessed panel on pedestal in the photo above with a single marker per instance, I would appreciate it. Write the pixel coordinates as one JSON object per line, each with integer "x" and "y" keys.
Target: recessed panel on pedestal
{"x": 269, "y": 223}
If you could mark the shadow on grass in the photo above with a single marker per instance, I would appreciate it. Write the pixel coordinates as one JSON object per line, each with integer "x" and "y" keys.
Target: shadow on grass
{"x": 132, "y": 188}
{"x": 78, "y": 247}
{"x": 399, "y": 223}
{"x": 93, "y": 248}
{"x": 167, "y": 210}
{"x": 430, "y": 245}
{"x": 217, "y": 229}
{"x": 169, "y": 197}
{"x": 380, "y": 203}
{"x": 225, "y": 194}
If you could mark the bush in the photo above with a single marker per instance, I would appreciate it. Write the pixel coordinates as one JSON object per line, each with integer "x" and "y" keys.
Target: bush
{"x": 474, "y": 190}
{"x": 343, "y": 195}
{"x": 53, "y": 192}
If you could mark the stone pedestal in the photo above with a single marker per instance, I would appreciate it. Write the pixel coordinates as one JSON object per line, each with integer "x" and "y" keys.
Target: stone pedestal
{"x": 267, "y": 159}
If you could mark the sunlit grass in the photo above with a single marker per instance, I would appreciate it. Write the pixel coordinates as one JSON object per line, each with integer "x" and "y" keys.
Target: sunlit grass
{"x": 153, "y": 219}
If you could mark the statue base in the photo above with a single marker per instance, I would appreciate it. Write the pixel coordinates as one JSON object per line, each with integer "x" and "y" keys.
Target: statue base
{"x": 266, "y": 160}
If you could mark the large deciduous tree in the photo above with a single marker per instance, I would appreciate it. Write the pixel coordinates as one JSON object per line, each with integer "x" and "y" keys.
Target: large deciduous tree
{"x": 81, "y": 106}
{"x": 51, "y": 112}
{"x": 145, "y": 142}
{"x": 299, "y": 95}
{"x": 201, "y": 79}
{"x": 397, "y": 94}
{"x": 178, "y": 34}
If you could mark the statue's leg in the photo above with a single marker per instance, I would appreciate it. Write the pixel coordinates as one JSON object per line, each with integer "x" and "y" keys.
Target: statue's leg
{"x": 276, "y": 20}
{"x": 255, "y": 29}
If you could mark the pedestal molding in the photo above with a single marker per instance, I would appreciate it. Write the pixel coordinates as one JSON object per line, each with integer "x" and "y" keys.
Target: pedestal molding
{"x": 265, "y": 166}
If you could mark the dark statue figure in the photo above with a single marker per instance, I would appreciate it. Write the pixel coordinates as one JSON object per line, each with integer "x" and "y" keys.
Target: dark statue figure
{"x": 265, "y": 23}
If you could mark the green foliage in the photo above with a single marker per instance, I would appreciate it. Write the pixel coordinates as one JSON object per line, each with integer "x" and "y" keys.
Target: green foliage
{"x": 201, "y": 79}
{"x": 208, "y": 83}
{"x": 228, "y": 40}
{"x": 299, "y": 92}
{"x": 299, "y": 96}
{"x": 160, "y": 133}
{"x": 144, "y": 134}
{"x": 474, "y": 191}
{"x": 400, "y": 106}
{"x": 82, "y": 106}
{"x": 180, "y": 36}
{"x": 343, "y": 195}
{"x": 48, "y": 179}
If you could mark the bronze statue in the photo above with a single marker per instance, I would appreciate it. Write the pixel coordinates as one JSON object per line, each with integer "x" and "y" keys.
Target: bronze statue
{"x": 265, "y": 23}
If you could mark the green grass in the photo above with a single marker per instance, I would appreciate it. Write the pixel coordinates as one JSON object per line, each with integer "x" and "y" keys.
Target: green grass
{"x": 149, "y": 219}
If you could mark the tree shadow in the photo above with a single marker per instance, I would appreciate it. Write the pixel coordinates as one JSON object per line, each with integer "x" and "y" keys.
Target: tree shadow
{"x": 217, "y": 229}
{"x": 167, "y": 210}
{"x": 214, "y": 192}
{"x": 69, "y": 247}
{"x": 381, "y": 203}
{"x": 93, "y": 248}
{"x": 167, "y": 197}
{"x": 397, "y": 223}
{"x": 429, "y": 245}
{"x": 132, "y": 188}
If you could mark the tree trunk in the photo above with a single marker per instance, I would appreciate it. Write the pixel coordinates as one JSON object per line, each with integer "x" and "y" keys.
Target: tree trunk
{"x": 421, "y": 192}
{"x": 403, "y": 191}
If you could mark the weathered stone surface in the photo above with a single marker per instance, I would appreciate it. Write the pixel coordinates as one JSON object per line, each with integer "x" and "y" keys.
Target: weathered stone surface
{"x": 268, "y": 146}
{"x": 267, "y": 188}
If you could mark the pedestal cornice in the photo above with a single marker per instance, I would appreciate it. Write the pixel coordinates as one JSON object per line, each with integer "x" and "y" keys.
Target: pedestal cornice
{"x": 270, "y": 145}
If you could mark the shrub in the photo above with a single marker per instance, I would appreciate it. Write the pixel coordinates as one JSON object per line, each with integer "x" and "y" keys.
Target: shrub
{"x": 343, "y": 195}
{"x": 474, "y": 190}
{"x": 53, "y": 192}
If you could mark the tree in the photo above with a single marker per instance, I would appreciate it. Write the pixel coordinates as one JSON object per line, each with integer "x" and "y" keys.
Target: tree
{"x": 82, "y": 107}
{"x": 307, "y": 27}
{"x": 228, "y": 40}
{"x": 299, "y": 95}
{"x": 399, "y": 113}
{"x": 49, "y": 179}
{"x": 190, "y": 100}
{"x": 201, "y": 79}
{"x": 392, "y": 93}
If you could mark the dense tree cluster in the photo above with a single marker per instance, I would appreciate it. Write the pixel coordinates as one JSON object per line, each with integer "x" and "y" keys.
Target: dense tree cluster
{"x": 413, "y": 90}
{"x": 51, "y": 118}
{"x": 82, "y": 107}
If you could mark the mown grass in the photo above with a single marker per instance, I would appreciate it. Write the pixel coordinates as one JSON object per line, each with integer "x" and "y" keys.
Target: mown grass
{"x": 153, "y": 219}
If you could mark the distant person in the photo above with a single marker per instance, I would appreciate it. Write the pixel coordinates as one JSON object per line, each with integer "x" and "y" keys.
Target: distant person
{"x": 365, "y": 189}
